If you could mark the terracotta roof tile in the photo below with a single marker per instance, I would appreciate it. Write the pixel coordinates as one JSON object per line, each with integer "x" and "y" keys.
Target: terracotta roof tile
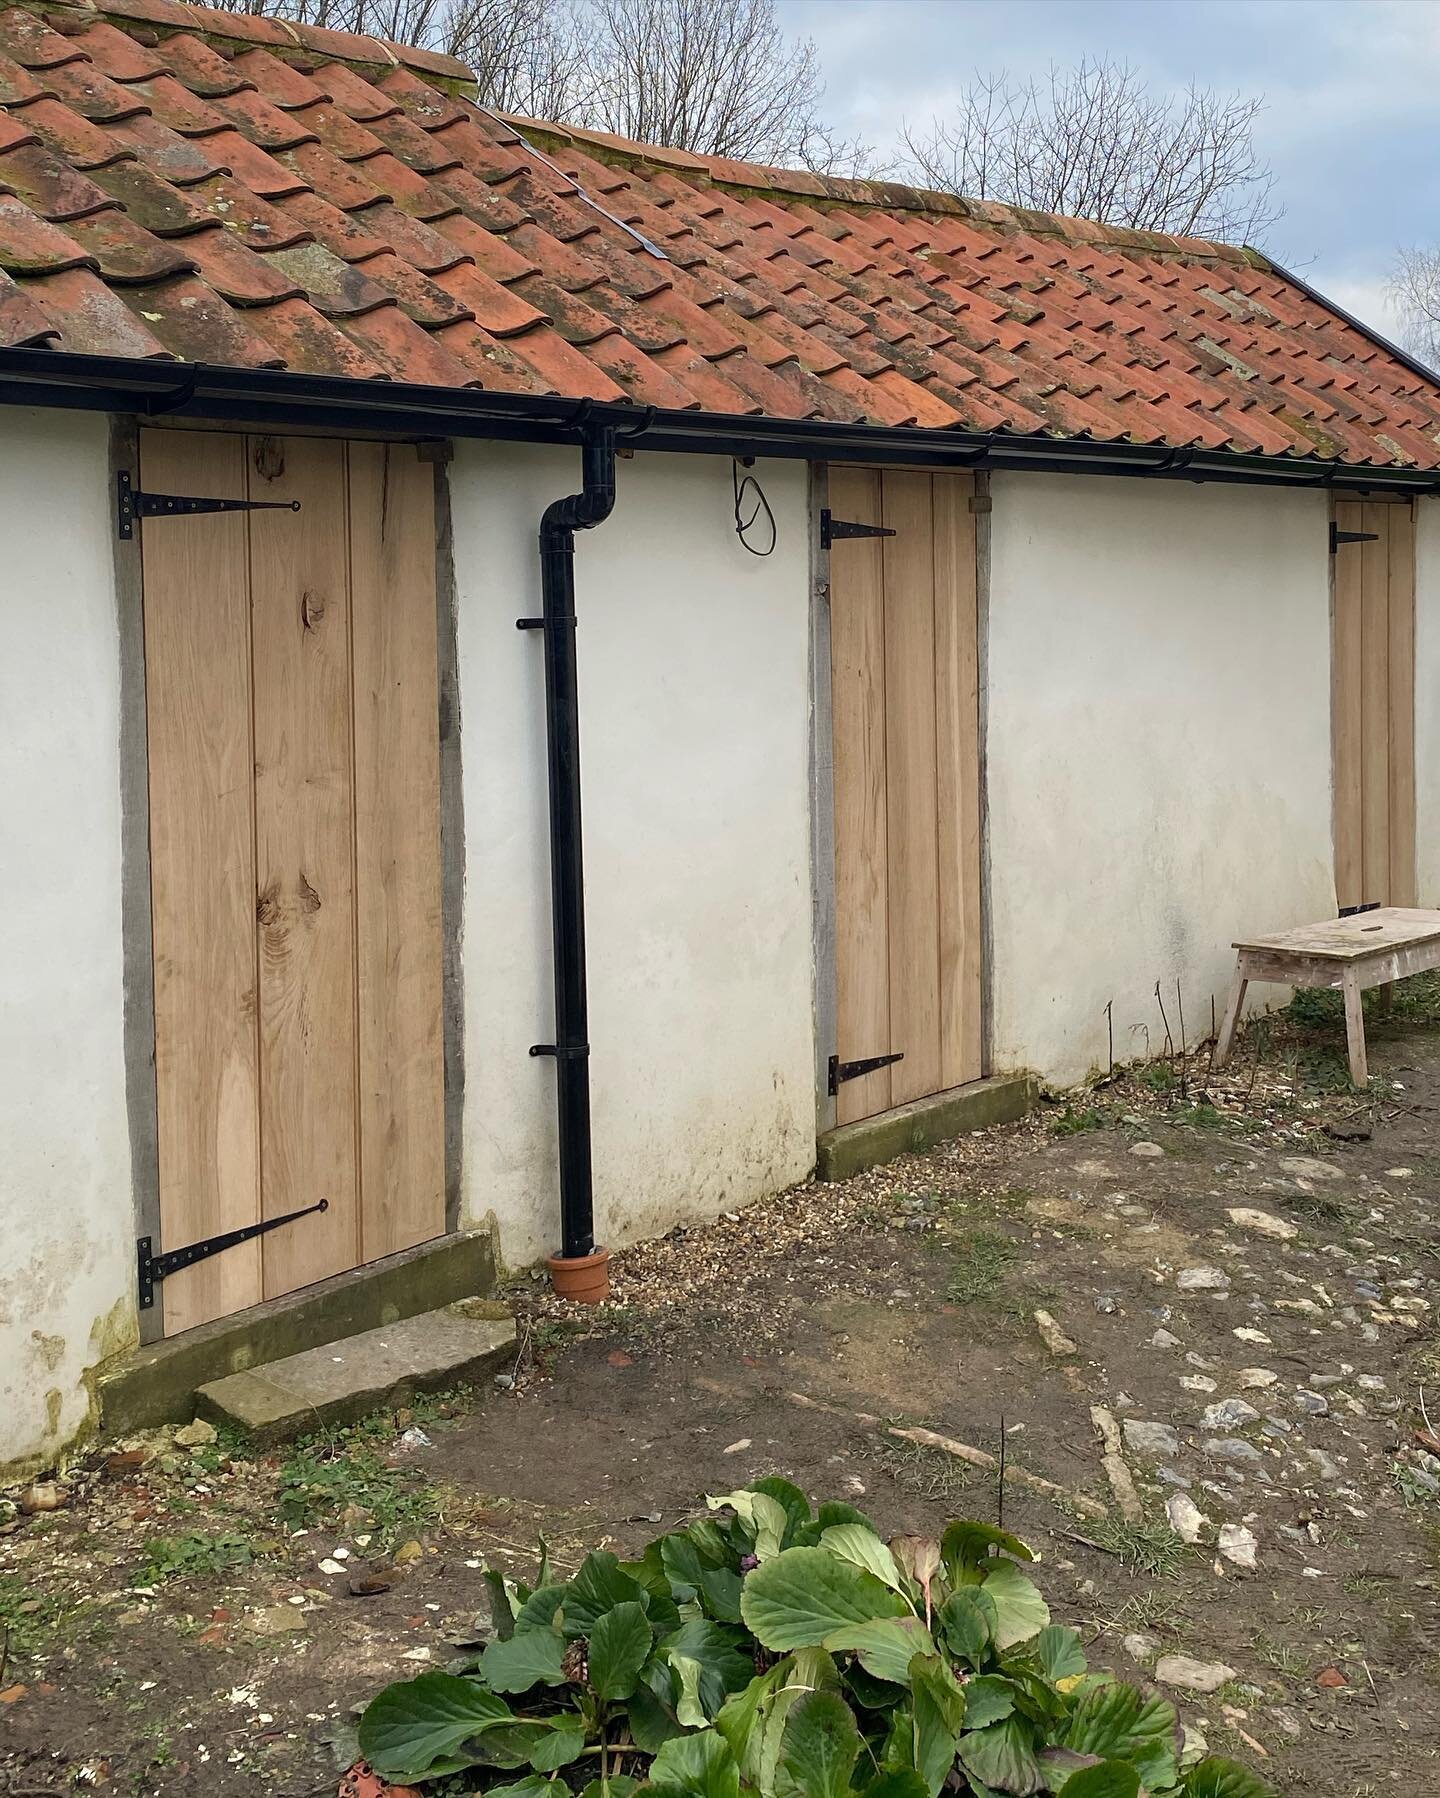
{"x": 125, "y": 253}
{"x": 83, "y": 145}
{"x": 17, "y": 85}
{"x": 91, "y": 318}
{"x": 229, "y": 187}
{"x": 200, "y": 66}
{"x": 22, "y": 323}
{"x": 263, "y": 123}
{"x": 280, "y": 82}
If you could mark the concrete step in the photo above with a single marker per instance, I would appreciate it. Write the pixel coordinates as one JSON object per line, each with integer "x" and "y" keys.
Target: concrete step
{"x": 341, "y": 1381}
{"x": 913, "y": 1128}
{"x": 157, "y": 1383}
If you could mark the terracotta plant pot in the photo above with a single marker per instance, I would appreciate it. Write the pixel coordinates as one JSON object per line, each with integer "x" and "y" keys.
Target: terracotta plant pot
{"x": 583, "y": 1279}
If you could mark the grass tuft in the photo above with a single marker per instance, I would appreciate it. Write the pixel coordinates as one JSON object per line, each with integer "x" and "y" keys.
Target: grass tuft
{"x": 1152, "y": 1549}
{"x": 982, "y": 1259}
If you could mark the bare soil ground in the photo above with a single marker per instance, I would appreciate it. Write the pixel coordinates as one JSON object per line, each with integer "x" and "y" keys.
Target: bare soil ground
{"x": 185, "y": 1622}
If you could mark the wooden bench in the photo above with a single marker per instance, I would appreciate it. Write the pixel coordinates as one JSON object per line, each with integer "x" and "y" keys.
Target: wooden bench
{"x": 1370, "y": 948}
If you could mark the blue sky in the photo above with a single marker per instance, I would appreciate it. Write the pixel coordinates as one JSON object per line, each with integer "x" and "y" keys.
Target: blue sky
{"x": 1351, "y": 126}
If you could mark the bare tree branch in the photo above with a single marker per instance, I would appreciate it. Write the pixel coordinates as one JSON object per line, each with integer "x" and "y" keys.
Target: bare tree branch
{"x": 1415, "y": 293}
{"x": 1094, "y": 142}
{"x": 717, "y": 77}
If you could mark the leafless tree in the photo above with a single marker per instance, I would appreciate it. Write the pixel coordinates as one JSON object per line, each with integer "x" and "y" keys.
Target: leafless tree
{"x": 1095, "y": 142}
{"x": 715, "y": 76}
{"x": 1415, "y": 294}
{"x": 720, "y": 79}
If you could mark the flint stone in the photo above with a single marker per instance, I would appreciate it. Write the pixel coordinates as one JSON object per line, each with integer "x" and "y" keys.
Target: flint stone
{"x": 1155, "y": 1441}
{"x": 1192, "y": 1676}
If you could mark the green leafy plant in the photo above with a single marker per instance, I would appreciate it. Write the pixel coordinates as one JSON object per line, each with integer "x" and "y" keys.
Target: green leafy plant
{"x": 772, "y": 1651}
{"x": 327, "y": 1478}
{"x": 184, "y": 1557}
{"x": 1075, "y": 1121}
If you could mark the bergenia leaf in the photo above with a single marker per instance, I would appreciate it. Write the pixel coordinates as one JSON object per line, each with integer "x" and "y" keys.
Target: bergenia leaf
{"x": 534, "y": 1659}
{"x": 688, "y": 1708}
{"x": 967, "y": 1547}
{"x": 598, "y": 1587}
{"x": 885, "y": 1646}
{"x": 563, "y": 1745}
{"x": 967, "y": 1621}
{"x": 502, "y": 1600}
{"x": 940, "y": 1708}
{"x": 791, "y": 1500}
{"x": 533, "y": 1785}
{"x": 918, "y": 1558}
{"x": 696, "y": 1766}
{"x": 620, "y": 1645}
{"x": 805, "y": 1594}
{"x": 1119, "y": 1722}
{"x": 988, "y": 1699}
{"x": 1217, "y": 1778}
{"x": 1111, "y": 1779}
{"x": 862, "y": 1548}
{"x": 1020, "y": 1611}
{"x": 1059, "y": 1653}
{"x": 422, "y": 1725}
{"x": 767, "y": 1518}
{"x": 541, "y": 1609}
{"x": 1003, "y": 1756}
{"x": 819, "y": 1748}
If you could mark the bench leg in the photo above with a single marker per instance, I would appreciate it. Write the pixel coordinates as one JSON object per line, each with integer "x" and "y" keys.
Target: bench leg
{"x": 1355, "y": 1028}
{"x": 1226, "y": 1039}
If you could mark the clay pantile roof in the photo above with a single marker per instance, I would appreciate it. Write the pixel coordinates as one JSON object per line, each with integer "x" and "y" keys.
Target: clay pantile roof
{"x": 227, "y": 189}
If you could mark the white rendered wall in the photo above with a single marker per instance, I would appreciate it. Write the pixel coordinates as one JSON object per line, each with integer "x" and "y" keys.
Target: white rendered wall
{"x": 694, "y": 702}
{"x": 66, "y": 1210}
{"x": 1157, "y": 751}
{"x": 1427, "y": 701}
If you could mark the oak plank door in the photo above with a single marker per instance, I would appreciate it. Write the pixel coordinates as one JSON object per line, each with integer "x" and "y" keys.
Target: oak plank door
{"x": 1373, "y": 703}
{"x": 905, "y": 717}
{"x": 293, "y": 726}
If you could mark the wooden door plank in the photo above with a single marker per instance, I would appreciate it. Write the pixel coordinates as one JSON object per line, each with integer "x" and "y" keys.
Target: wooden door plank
{"x": 1375, "y": 706}
{"x": 304, "y": 858}
{"x": 1347, "y": 711}
{"x": 910, "y": 778}
{"x": 857, "y": 701}
{"x": 202, "y": 872}
{"x": 397, "y": 848}
{"x": 1401, "y": 543}
{"x": 957, "y": 766}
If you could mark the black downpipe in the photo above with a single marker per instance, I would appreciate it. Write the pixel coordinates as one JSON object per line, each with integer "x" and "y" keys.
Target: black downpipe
{"x": 563, "y": 517}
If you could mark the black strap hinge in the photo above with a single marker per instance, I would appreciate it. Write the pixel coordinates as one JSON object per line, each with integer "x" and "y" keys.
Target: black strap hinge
{"x": 132, "y": 503}
{"x": 154, "y": 1268}
{"x": 833, "y": 528}
{"x": 1337, "y": 537}
{"x": 841, "y": 1071}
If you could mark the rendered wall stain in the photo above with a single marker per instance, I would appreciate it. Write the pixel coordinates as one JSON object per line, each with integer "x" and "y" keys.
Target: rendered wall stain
{"x": 694, "y": 724}
{"x": 66, "y": 1214}
{"x": 1158, "y": 760}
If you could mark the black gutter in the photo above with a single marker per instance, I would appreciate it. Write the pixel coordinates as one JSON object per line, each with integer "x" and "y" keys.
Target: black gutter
{"x": 279, "y": 399}
{"x": 580, "y": 511}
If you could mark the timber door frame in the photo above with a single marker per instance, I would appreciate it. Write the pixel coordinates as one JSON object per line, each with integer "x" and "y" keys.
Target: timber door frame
{"x": 136, "y": 896}
{"x": 822, "y": 781}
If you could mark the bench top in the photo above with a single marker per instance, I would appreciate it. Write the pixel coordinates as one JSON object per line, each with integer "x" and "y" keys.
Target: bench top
{"x": 1354, "y": 938}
